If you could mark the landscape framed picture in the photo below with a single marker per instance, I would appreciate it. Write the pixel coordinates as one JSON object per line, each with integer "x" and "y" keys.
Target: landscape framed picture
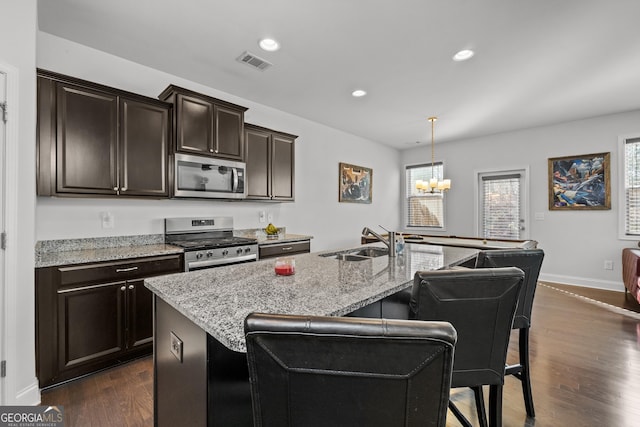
{"x": 580, "y": 182}
{"x": 354, "y": 183}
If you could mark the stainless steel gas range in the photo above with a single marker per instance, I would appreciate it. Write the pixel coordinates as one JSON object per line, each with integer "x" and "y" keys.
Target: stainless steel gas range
{"x": 209, "y": 242}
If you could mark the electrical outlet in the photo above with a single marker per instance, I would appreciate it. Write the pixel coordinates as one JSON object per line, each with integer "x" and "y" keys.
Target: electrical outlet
{"x": 175, "y": 344}
{"x": 262, "y": 216}
{"x": 106, "y": 219}
{"x": 608, "y": 264}
{"x": 270, "y": 217}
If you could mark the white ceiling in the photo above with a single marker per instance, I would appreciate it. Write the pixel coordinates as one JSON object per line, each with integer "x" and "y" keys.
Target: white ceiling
{"x": 537, "y": 61}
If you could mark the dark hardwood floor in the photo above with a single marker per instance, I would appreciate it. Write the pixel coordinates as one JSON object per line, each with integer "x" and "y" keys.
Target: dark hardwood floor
{"x": 585, "y": 357}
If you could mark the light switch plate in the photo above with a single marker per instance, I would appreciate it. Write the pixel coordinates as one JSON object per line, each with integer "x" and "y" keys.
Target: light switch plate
{"x": 176, "y": 346}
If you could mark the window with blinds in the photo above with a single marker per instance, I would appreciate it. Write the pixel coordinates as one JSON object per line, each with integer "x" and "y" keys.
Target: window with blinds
{"x": 501, "y": 206}
{"x": 632, "y": 186}
{"x": 424, "y": 209}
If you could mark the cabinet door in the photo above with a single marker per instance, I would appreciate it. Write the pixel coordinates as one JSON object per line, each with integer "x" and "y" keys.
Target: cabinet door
{"x": 144, "y": 138}
{"x": 258, "y": 147}
{"x": 90, "y": 323}
{"x": 140, "y": 314}
{"x": 228, "y": 134}
{"x": 283, "y": 168}
{"x": 194, "y": 125}
{"x": 86, "y": 142}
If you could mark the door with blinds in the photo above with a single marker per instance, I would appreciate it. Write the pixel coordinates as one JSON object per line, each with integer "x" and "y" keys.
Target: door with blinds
{"x": 502, "y": 200}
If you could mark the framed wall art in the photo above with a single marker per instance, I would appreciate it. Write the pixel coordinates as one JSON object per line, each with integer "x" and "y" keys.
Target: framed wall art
{"x": 354, "y": 183}
{"x": 580, "y": 182}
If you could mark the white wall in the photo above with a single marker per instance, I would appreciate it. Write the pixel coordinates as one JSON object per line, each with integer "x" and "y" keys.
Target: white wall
{"x": 17, "y": 50}
{"x": 576, "y": 244}
{"x": 319, "y": 149}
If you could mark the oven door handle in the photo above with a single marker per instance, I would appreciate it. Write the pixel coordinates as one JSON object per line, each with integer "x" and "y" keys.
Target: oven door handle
{"x": 223, "y": 261}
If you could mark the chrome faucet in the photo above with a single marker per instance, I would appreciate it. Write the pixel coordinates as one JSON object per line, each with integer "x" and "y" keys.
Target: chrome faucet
{"x": 390, "y": 243}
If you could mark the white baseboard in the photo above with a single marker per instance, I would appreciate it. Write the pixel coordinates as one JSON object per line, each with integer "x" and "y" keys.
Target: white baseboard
{"x": 583, "y": 281}
{"x": 28, "y": 396}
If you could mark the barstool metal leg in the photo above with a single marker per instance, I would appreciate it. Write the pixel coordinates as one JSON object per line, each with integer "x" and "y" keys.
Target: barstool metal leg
{"x": 525, "y": 374}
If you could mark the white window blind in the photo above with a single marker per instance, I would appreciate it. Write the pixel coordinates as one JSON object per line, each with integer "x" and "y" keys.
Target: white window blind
{"x": 632, "y": 186}
{"x": 424, "y": 209}
{"x": 501, "y": 206}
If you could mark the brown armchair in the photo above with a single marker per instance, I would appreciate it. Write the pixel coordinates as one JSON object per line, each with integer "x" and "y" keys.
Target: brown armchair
{"x": 631, "y": 272}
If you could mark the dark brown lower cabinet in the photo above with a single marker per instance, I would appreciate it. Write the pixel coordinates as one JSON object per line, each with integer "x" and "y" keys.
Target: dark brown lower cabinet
{"x": 282, "y": 249}
{"x": 92, "y": 316}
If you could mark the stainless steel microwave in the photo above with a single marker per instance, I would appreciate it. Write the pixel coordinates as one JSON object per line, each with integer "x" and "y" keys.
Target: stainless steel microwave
{"x": 206, "y": 177}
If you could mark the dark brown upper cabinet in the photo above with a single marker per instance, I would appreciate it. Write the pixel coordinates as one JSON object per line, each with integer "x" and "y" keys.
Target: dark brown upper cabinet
{"x": 96, "y": 140}
{"x": 270, "y": 157}
{"x": 206, "y": 125}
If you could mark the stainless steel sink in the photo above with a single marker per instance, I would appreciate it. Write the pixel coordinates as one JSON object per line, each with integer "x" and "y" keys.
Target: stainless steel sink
{"x": 357, "y": 254}
{"x": 351, "y": 257}
{"x": 371, "y": 252}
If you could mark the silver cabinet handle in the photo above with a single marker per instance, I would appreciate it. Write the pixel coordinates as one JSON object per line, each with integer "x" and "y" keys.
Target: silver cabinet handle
{"x": 115, "y": 188}
{"x": 123, "y": 288}
{"x": 123, "y": 189}
{"x": 287, "y": 248}
{"x": 211, "y": 150}
{"x": 131, "y": 286}
{"x": 124, "y": 270}
{"x": 85, "y": 288}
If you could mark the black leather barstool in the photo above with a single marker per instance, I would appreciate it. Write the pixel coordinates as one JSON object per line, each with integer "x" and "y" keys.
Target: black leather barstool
{"x": 530, "y": 262}
{"x": 480, "y": 304}
{"x": 346, "y": 371}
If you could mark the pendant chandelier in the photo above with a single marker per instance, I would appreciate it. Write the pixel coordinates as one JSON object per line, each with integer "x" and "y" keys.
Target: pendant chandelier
{"x": 433, "y": 185}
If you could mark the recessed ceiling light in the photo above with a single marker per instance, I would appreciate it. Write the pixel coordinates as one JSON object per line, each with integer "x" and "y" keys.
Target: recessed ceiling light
{"x": 358, "y": 93}
{"x": 463, "y": 55}
{"x": 270, "y": 45}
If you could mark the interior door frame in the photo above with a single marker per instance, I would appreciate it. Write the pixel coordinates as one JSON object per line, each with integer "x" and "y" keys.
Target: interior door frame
{"x": 524, "y": 197}
{"x": 9, "y": 194}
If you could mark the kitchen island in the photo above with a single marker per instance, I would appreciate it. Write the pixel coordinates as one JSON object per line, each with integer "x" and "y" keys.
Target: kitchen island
{"x": 199, "y": 362}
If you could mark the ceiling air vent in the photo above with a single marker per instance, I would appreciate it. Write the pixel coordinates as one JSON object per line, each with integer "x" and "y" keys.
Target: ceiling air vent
{"x": 254, "y": 61}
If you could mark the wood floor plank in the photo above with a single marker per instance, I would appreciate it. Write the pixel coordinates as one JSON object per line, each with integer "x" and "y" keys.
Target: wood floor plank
{"x": 585, "y": 362}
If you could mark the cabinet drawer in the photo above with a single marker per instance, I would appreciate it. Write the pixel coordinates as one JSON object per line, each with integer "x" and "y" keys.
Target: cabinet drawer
{"x": 119, "y": 270}
{"x": 279, "y": 249}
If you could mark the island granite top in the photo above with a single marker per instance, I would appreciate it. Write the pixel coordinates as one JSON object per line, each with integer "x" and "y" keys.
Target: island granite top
{"x": 219, "y": 299}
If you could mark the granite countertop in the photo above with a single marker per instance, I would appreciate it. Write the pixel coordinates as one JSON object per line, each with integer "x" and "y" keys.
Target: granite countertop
{"x": 282, "y": 238}
{"x": 50, "y": 253}
{"x": 85, "y": 256}
{"x": 218, "y": 300}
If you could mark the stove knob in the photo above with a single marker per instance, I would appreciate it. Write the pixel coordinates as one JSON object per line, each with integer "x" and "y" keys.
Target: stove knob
{"x": 199, "y": 255}
{"x": 209, "y": 254}
{"x": 239, "y": 251}
{"x": 225, "y": 252}
{"x": 247, "y": 250}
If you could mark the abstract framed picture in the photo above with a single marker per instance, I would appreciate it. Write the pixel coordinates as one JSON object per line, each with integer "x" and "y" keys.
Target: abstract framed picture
{"x": 580, "y": 182}
{"x": 354, "y": 183}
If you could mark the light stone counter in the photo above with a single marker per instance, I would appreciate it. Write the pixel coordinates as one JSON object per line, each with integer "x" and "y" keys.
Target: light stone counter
{"x": 51, "y": 253}
{"x": 283, "y": 238}
{"x": 261, "y": 236}
{"x": 218, "y": 300}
